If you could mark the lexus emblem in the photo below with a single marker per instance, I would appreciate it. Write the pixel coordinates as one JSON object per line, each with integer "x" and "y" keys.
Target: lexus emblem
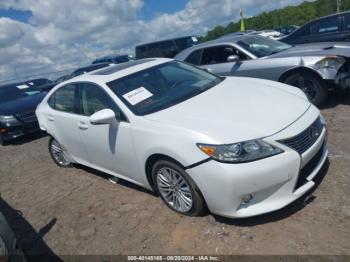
{"x": 313, "y": 132}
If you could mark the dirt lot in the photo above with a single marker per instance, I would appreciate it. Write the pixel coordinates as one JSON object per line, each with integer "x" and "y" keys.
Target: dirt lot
{"x": 77, "y": 211}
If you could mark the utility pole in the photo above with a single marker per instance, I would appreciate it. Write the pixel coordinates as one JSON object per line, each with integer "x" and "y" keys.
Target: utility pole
{"x": 338, "y": 5}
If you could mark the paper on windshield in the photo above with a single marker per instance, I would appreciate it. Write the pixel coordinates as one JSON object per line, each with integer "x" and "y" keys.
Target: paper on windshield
{"x": 22, "y": 86}
{"x": 137, "y": 95}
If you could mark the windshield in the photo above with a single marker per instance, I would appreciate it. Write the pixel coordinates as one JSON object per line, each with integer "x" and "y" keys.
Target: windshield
{"x": 262, "y": 46}
{"x": 13, "y": 92}
{"x": 162, "y": 86}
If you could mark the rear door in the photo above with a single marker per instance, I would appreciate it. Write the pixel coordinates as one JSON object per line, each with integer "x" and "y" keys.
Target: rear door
{"x": 346, "y": 28}
{"x": 64, "y": 121}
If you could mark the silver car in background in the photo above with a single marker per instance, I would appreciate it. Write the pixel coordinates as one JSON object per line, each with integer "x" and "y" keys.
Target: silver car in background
{"x": 315, "y": 68}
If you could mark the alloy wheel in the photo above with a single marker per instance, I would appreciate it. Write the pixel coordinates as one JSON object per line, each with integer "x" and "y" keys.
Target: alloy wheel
{"x": 58, "y": 153}
{"x": 174, "y": 189}
{"x": 307, "y": 85}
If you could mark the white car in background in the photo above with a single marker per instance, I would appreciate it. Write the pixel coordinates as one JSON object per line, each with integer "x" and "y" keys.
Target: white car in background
{"x": 239, "y": 146}
{"x": 272, "y": 34}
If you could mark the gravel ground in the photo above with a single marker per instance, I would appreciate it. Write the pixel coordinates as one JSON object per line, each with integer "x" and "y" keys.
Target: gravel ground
{"x": 78, "y": 211}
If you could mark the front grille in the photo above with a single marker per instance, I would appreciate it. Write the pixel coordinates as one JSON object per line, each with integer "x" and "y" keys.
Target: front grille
{"x": 28, "y": 117}
{"x": 308, "y": 168}
{"x": 305, "y": 139}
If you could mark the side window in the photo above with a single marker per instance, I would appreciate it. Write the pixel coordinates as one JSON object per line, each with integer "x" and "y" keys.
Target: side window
{"x": 326, "y": 25}
{"x": 347, "y": 22}
{"x": 93, "y": 99}
{"x": 64, "y": 99}
{"x": 219, "y": 54}
{"x": 194, "y": 57}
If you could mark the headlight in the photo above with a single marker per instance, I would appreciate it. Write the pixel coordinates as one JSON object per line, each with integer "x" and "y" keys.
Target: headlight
{"x": 331, "y": 62}
{"x": 246, "y": 151}
{"x": 8, "y": 119}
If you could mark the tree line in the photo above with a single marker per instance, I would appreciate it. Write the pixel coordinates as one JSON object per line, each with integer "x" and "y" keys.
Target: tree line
{"x": 290, "y": 15}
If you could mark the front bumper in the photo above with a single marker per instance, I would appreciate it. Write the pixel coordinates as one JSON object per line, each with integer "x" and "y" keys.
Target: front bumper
{"x": 12, "y": 131}
{"x": 274, "y": 182}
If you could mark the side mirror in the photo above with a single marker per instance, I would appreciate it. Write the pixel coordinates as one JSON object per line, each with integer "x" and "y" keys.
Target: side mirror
{"x": 103, "y": 117}
{"x": 209, "y": 70}
{"x": 232, "y": 58}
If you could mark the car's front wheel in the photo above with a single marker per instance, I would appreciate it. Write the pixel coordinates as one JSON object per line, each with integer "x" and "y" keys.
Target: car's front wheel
{"x": 314, "y": 87}
{"x": 58, "y": 154}
{"x": 177, "y": 189}
{"x": 3, "y": 142}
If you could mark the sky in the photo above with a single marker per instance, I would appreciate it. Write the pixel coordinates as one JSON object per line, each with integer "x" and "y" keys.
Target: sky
{"x": 37, "y": 37}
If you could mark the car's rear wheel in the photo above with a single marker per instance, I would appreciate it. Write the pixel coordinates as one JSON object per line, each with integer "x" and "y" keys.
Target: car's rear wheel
{"x": 58, "y": 154}
{"x": 313, "y": 86}
{"x": 177, "y": 189}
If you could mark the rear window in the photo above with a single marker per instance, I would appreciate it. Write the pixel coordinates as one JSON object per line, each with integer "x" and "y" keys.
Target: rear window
{"x": 64, "y": 99}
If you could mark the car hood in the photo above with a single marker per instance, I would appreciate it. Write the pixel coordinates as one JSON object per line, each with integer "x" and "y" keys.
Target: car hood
{"x": 316, "y": 49}
{"x": 21, "y": 105}
{"x": 237, "y": 109}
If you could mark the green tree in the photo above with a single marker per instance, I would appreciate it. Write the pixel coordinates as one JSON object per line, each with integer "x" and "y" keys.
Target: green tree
{"x": 289, "y": 15}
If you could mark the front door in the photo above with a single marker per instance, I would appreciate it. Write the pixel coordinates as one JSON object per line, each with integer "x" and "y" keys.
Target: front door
{"x": 214, "y": 59}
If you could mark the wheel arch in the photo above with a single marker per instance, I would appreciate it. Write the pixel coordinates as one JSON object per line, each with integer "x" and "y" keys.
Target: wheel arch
{"x": 296, "y": 70}
{"x": 151, "y": 160}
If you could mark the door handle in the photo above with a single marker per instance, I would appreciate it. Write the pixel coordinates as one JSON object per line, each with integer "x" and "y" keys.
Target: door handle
{"x": 82, "y": 125}
{"x": 50, "y": 118}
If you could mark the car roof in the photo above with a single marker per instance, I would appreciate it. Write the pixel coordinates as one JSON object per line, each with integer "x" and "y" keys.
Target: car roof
{"x": 117, "y": 71}
{"x": 331, "y": 15}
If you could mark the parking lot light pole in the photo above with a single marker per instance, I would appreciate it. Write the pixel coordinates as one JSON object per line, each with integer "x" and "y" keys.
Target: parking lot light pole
{"x": 338, "y": 5}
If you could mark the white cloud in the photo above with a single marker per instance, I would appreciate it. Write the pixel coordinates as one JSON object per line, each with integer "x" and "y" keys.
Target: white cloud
{"x": 64, "y": 34}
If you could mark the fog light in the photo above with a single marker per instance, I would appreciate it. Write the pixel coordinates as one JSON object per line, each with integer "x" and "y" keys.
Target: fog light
{"x": 247, "y": 198}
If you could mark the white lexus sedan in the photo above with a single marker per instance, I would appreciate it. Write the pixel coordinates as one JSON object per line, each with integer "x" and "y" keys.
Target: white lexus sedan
{"x": 237, "y": 146}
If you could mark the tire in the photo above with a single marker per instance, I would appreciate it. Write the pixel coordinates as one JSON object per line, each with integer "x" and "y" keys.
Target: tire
{"x": 313, "y": 86}
{"x": 58, "y": 155}
{"x": 163, "y": 173}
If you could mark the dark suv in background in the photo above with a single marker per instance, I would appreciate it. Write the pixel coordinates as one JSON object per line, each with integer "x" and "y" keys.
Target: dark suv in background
{"x": 166, "y": 48}
{"x": 116, "y": 59}
{"x": 333, "y": 28}
{"x": 17, "y": 110}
